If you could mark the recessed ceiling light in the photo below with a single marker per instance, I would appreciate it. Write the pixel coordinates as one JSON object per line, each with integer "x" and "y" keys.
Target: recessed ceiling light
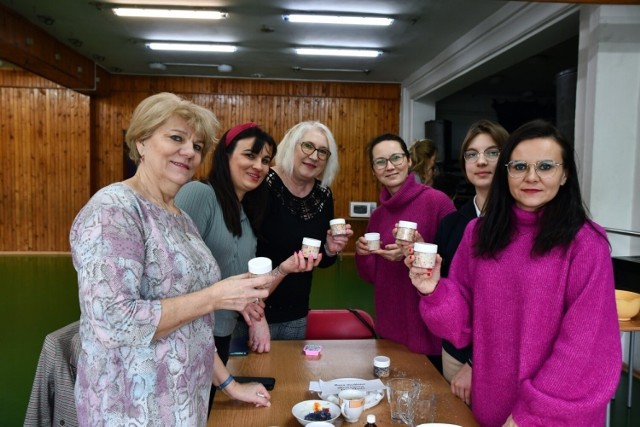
{"x": 338, "y": 19}
{"x": 139, "y": 12}
{"x": 363, "y": 53}
{"x": 191, "y": 47}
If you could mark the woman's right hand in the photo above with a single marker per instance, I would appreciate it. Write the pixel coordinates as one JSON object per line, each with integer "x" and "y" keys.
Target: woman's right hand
{"x": 297, "y": 263}
{"x": 425, "y": 280}
{"x": 235, "y": 292}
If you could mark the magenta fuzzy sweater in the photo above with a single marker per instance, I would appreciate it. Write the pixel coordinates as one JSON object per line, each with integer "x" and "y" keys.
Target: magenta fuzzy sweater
{"x": 395, "y": 298}
{"x": 546, "y": 343}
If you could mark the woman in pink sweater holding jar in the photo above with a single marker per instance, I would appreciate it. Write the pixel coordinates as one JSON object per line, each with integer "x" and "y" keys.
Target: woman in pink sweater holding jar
{"x": 401, "y": 199}
{"x": 531, "y": 285}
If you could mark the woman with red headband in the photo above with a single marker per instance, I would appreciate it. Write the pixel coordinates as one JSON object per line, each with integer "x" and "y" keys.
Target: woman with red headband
{"x": 227, "y": 209}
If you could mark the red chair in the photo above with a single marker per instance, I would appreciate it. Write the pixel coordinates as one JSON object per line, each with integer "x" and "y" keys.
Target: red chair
{"x": 339, "y": 324}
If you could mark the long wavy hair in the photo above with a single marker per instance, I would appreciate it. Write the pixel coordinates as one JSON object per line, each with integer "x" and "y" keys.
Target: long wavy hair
{"x": 561, "y": 217}
{"x": 253, "y": 201}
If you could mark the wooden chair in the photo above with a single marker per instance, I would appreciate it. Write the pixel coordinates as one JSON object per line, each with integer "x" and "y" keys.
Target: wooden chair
{"x": 339, "y": 324}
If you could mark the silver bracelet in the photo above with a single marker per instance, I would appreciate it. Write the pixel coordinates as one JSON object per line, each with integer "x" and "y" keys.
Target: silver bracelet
{"x": 277, "y": 271}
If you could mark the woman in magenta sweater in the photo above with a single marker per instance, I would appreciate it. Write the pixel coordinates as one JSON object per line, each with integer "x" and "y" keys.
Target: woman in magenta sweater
{"x": 532, "y": 286}
{"x": 401, "y": 198}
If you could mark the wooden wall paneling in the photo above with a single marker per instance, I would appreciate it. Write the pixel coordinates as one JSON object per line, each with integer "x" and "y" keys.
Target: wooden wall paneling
{"x": 44, "y": 162}
{"x": 354, "y": 112}
{"x": 64, "y": 146}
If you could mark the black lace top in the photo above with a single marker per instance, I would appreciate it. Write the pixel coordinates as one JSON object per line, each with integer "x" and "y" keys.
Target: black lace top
{"x": 288, "y": 219}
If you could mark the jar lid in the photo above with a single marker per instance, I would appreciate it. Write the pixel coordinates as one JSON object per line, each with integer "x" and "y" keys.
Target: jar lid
{"x": 372, "y": 236}
{"x": 337, "y": 221}
{"x": 259, "y": 265}
{"x": 311, "y": 242}
{"x": 381, "y": 361}
{"x": 428, "y": 248}
{"x": 407, "y": 224}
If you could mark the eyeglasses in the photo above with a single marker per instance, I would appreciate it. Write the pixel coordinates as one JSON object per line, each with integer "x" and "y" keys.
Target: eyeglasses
{"x": 543, "y": 168}
{"x": 308, "y": 148}
{"x": 490, "y": 155}
{"x": 396, "y": 160}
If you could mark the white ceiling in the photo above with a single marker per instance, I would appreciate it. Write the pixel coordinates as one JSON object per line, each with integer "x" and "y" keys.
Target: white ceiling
{"x": 422, "y": 29}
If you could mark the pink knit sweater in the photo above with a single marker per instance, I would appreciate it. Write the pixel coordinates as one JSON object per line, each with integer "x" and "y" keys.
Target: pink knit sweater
{"x": 546, "y": 344}
{"x": 395, "y": 298}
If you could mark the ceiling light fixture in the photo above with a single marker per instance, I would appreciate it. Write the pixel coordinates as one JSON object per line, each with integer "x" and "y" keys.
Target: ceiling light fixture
{"x": 191, "y": 47}
{"x": 139, "y": 12}
{"x": 223, "y": 68}
{"x": 338, "y": 70}
{"x": 360, "y": 53}
{"x": 338, "y": 19}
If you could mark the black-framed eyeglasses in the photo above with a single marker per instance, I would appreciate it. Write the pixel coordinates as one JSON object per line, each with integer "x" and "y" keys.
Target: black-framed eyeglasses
{"x": 543, "y": 168}
{"x": 308, "y": 148}
{"x": 490, "y": 155}
{"x": 396, "y": 159}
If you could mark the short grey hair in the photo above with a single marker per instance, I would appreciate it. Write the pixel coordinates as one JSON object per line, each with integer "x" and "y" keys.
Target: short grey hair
{"x": 286, "y": 148}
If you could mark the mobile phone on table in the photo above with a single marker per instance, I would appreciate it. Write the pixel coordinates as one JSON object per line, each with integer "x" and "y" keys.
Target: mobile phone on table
{"x": 238, "y": 346}
{"x": 267, "y": 382}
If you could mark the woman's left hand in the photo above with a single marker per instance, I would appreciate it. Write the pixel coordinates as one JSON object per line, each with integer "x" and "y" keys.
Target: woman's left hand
{"x": 253, "y": 312}
{"x": 425, "y": 280}
{"x": 391, "y": 252}
{"x": 336, "y": 244}
{"x": 260, "y": 336}
{"x": 461, "y": 383}
{"x": 510, "y": 422}
{"x": 249, "y": 392}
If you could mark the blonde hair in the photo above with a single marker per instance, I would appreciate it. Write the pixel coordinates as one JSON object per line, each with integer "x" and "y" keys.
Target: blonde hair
{"x": 155, "y": 110}
{"x": 286, "y": 148}
{"x": 422, "y": 152}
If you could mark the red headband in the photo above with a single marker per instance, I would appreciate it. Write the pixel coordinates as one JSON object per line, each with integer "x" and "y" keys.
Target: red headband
{"x": 236, "y": 130}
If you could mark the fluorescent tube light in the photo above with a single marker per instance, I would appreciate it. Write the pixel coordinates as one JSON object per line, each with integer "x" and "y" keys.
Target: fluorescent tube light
{"x": 335, "y": 19}
{"x": 363, "y": 53}
{"x": 168, "y": 13}
{"x": 192, "y": 47}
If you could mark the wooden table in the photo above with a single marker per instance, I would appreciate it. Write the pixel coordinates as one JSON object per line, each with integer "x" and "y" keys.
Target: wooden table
{"x": 339, "y": 359}
{"x": 632, "y": 326}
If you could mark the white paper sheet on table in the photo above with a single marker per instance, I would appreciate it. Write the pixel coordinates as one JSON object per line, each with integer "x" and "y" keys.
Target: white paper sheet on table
{"x": 335, "y": 386}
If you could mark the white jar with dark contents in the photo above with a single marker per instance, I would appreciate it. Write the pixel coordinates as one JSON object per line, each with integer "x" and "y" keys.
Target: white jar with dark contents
{"x": 381, "y": 366}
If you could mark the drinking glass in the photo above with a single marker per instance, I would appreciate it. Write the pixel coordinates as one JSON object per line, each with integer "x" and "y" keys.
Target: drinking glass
{"x": 401, "y": 393}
